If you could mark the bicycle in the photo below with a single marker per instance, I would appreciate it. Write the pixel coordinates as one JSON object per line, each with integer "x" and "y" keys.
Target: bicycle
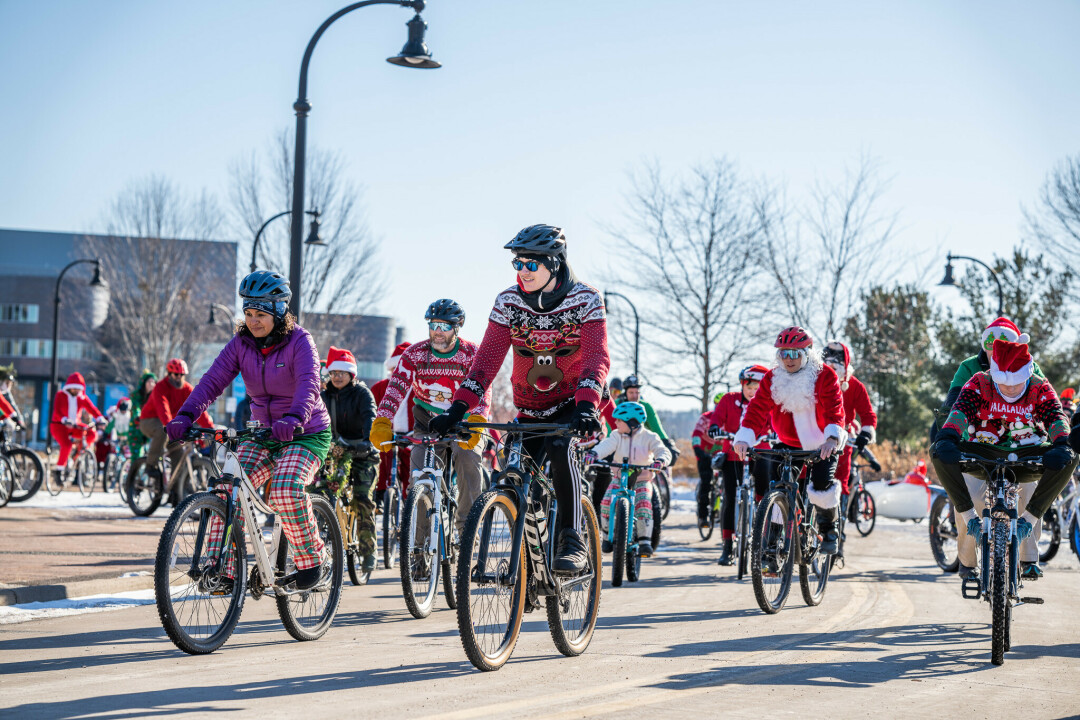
{"x": 427, "y": 545}
{"x": 200, "y": 589}
{"x": 785, "y": 532}
{"x": 861, "y": 509}
{"x": 508, "y": 546}
{"x": 7, "y": 481}
{"x": 943, "y": 532}
{"x": 620, "y": 532}
{"x": 1058, "y": 521}
{"x": 716, "y": 498}
{"x": 393, "y": 502}
{"x": 81, "y": 468}
{"x": 333, "y": 483}
{"x": 27, "y": 468}
{"x": 999, "y": 581}
{"x": 663, "y": 491}
{"x": 146, "y": 491}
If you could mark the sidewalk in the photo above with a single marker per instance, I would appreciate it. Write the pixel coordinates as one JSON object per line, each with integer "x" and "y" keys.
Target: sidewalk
{"x": 52, "y": 548}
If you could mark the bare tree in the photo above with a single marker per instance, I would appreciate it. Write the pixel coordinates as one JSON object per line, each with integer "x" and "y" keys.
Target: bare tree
{"x": 1056, "y": 221}
{"x": 345, "y": 276}
{"x": 690, "y": 245}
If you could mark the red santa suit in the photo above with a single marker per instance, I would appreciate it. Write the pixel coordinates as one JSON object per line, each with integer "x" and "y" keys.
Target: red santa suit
{"x": 64, "y": 424}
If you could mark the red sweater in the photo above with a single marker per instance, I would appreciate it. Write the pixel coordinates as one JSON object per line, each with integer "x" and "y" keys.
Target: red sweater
{"x": 560, "y": 356}
{"x": 1033, "y": 419}
{"x": 700, "y": 437}
{"x": 166, "y": 400}
{"x": 431, "y": 378}
{"x": 857, "y": 402}
{"x": 819, "y": 413}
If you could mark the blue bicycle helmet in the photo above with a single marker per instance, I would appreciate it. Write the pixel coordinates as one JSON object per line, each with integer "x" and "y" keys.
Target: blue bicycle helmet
{"x": 267, "y": 291}
{"x": 631, "y": 413}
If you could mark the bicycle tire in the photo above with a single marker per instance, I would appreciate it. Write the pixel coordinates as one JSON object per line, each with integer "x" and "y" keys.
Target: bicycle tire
{"x": 357, "y": 576}
{"x": 1074, "y": 536}
{"x": 490, "y": 604}
{"x": 7, "y": 480}
{"x": 943, "y": 535}
{"x": 86, "y": 474}
{"x": 620, "y": 541}
{"x": 864, "y": 512}
{"x": 657, "y": 519}
{"x": 998, "y": 592}
{"x": 391, "y": 522}
{"x": 572, "y": 620}
{"x": 814, "y": 578}
{"x": 106, "y": 474}
{"x": 419, "y": 591}
{"x": 55, "y": 479}
{"x": 707, "y": 531}
{"x": 308, "y": 615}
{"x": 772, "y": 596}
{"x": 1051, "y": 530}
{"x": 449, "y": 574}
{"x": 168, "y": 574}
{"x": 144, "y": 491}
{"x": 743, "y": 528}
{"x": 665, "y": 495}
{"x": 29, "y": 473}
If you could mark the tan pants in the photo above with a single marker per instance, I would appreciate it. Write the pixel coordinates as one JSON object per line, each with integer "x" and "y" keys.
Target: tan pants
{"x": 153, "y": 429}
{"x": 965, "y": 544}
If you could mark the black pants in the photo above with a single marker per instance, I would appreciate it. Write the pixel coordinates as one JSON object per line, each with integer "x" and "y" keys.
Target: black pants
{"x": 732, "y": 471}
{"x": 601, "y": 480}
{"x": 822, "y": 476}
{"x": 705, "y": 475}
{"x": 565, "y": 471}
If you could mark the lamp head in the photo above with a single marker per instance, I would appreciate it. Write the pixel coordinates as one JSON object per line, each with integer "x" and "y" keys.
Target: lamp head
{"x": 948, "y": 280}
{"x": 415, "y": 54}
{"x": 313, "y": 237}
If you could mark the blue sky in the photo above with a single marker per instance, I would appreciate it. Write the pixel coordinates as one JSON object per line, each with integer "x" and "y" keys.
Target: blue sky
{"x": 540, "y": 110}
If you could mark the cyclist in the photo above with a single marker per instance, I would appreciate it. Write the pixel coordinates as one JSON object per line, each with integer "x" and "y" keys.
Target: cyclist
{"x": 643, "y": 447}
{"x": 433, "y": 370}
{"x": 631, "y": 387}
{"x": 119, "y": 422}
{"x": 726, "y": 417}
{"x": 703, "y": 448}
{"x": 557, "y": 328}
{"x": 280, "y": 366}
{"x": 135, "y": 439}
{"x": 1007, "y": 409}
{"x": 168, "y": 395}
{"x": 7, "y": 393}
{"x": 351, "y": 407}
{"x": 856, "y": 405}
{"x": 402, "y": 424}
{"x": 68, "y": 403}
{"x": 801, "y": 397}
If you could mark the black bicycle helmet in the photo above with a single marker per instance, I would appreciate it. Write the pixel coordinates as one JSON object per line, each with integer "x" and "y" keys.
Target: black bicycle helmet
{"x": 539, "y": 240}
{"x": 265, "y": 285}
{"x": 445, "y": 310}
{"x": 631, "y": 381}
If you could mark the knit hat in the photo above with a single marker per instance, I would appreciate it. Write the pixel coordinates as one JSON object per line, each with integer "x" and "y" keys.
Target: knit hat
{"x": 1010, "y": 363}
{"x": 1003, "y": 329}
{"x": 75, "y": 380}
{"x": 391, "y": 363}
{"x": 340, "y": 359}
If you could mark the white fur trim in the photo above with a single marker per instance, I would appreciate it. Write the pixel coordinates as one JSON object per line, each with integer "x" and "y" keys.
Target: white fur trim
{"x": 74, "y": 386}
{"x": 745, "y": 435}
{"x": 968, "y": 515}
{"x": 825, "y": 499}
{"x": 342, "y": 365}
{"x": 835, "y": 431}
{"x": 1002, "y": 377}
{"x": 810, "y": 435}
{"x": 1007, "y": 332}
{"x": 73, "y": 406}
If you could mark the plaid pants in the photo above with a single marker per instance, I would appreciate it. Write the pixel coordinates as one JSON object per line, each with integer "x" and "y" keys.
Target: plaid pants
{"x": 289, "y": 470}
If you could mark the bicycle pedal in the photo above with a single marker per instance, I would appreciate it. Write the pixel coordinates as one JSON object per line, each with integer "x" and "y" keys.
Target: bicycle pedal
{"x": 971, "y": 588}
{"x": 1032, "y": 601}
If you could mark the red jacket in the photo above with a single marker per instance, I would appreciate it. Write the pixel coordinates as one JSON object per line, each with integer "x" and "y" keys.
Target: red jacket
{"x": 166, "y": 400}
{"x": 5, "y": 408}
{"x": 66, "y": 407}
{"x": 857, "y": 402}
{"x": 807, "y": 428}
{"x": 700, "y": 437}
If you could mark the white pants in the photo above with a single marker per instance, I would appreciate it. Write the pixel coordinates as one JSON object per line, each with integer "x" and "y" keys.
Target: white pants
{"x": 965, "y": 544}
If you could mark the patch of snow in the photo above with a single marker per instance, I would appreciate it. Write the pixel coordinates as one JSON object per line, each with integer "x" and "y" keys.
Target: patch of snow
{"x": 11, "y": 614}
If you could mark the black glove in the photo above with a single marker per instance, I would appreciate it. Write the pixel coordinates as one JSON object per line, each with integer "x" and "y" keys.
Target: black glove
{"x": 1074, "y": 438}
{"x": 440, "y": 424}
{"x": 862, "y": 440}
{"x": 714, "y": 432}
{"x": 946, "y": 449}
{"x": 700, "y": 454}
{"x": 1058, "y": 456}
{"x": 584, "y": 419}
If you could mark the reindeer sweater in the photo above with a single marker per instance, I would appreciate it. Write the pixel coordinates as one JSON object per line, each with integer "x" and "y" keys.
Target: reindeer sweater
{"x": 560, "y": 356}
{"x": 433, "y": 377}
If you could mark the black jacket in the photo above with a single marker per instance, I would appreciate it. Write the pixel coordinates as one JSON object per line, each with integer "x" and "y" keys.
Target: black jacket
{"x": 352, "y": 410}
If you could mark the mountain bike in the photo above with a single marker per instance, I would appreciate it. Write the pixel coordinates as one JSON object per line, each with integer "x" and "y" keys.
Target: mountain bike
{"x": 999, "y": 581}
{"x": 428, "y": 546}
{"x": 507, "y": 550}
{"x": 27, "y": 468}
{"x": 943, "y": 531}
{"x": 624, "y": 543}
{"x": 201, "y": 569}
{"x": 81, "y": 468}
{"x": 785, "y": 532}
{"x": 393, "y": 502}
{"x": 146, "y": 490}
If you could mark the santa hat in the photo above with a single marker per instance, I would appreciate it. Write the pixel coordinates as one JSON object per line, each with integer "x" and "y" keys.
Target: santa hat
{"x": 340, "y": 359}
{"x": 1010, "y": 363}
{"x": 391, "y": 363}
{"x": 75, "y": 381}
{"x": 832, "y": 354}
{"x": 1068, "y": 394}
{"x": 1004, "y": 329}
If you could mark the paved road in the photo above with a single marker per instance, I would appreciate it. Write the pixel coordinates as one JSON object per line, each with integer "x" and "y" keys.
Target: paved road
{"x": 892, "y": 635}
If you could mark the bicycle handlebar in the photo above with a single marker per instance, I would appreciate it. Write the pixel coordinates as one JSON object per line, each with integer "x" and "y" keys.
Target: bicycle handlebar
{"x": 519, "y": 428}
{"x": 1010, "y": 460}
{"x": 622, "y": 465}
{"x": 810, "y": 455}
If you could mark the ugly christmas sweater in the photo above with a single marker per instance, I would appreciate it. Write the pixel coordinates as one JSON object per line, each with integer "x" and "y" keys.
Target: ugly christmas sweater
{"x": 433, "y": 378}
{"x": 986, "y": 417}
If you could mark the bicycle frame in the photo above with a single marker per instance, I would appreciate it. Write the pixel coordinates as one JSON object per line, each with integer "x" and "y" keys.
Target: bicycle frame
{"x": 624, "y": 491}
{"x": 801, "y": 523}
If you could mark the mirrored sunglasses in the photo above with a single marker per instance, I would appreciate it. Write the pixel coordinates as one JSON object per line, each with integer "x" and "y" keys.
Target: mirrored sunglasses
{"x": 440, "y": 326}
{"x": 791, "y": 353}
{"x": 519, "y": 265}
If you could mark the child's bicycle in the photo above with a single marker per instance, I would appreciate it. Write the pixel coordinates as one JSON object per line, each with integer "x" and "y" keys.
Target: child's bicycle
{"x": 624, "y": 543}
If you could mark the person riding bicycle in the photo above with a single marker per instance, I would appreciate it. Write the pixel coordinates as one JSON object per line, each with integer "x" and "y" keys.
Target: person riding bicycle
{"x": 8, "y": 375}
{"x": 727, "y": 417}
{"x": 557, "y": 328}
{"x": 280, "y": 366}
{"x": 351, "y": 407}
{"x": 118, "y": 419}
{"x": 71, "y": 400}
{"x": 643, "y": 447}
{"x": 631, "y": 392}
{"x": 403, "y": 420}
{"x": 856, "y": 405}
{"x": 160, "y": 408}
{"x": 135, "y": 438}
{"x": 1007, "y": 409}
{"x": 802, "y": 400}
{"x": 433, "y": 370}
{"x": 703, "y": 446}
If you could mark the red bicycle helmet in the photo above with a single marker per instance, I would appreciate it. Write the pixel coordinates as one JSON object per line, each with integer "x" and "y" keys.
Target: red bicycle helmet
{"x": 176, "y": 365}
{"x": 793, "y": 337}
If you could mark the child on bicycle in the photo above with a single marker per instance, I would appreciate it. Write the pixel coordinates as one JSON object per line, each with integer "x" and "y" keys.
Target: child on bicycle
{"x": 643, "y": 447}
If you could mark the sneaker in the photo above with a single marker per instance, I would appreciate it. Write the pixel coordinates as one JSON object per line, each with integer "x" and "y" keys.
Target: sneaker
{"x": 830, "y": 539}
{"x": 369, "y": 563}
{"x": 965, "y": 572}
{"x": 605, "y": 547}
{"x": 644, "y": 548}
{"x": 1030, "y": 571}
{"x": 314, "y": 576}
{"x": 728, "y": 556}
{"x": 571, "y": 556}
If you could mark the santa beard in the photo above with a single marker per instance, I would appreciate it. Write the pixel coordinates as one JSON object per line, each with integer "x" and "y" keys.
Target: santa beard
{"x": 794, "y": 392}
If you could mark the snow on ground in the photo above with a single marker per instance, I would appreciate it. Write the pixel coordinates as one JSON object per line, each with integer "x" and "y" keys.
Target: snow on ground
{"x": 100, "y": 502}
{"x": 11, "y": 614}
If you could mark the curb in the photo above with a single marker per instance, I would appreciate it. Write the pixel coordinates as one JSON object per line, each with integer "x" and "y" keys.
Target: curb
{"x": 74, "y": 589}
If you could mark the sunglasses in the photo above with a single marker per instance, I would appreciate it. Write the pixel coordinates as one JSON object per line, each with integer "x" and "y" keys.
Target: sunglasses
{"x": 791, "y": 353}
{"x": 176, "y": 375}
{"x": 520, "y": 265}
{"x": 440, "y": 326}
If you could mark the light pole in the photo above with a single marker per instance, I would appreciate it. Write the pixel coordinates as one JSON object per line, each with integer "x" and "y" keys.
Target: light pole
{"x": 637, "y": 323}
{"x": 218, "y": 306}
{"x": 99, "y": 311}
{"x": 948, "y": 280}
{"x": 313, "y": 237}
{"x": 415, "y": 54}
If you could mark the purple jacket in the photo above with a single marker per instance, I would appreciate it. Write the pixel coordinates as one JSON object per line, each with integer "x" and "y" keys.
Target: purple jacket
{"x": 284, "y": 382}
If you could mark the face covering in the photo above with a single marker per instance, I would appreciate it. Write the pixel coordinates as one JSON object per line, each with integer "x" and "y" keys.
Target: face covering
{"x": 1013, "y": 398}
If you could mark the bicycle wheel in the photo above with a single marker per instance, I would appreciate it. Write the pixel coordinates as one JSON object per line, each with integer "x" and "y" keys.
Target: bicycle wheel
{"x": 55, "y": 479}
{"x": 490, "y": 602}
{"x": 391, "y": 525}
{"x": 107, "y": 474}
{"x": 449, "y": 562}
{"x": 657, "y": 518}
{"x": 144, "y": 490}
{"x": 863, "y": 512}
{"x": 29, "y": 473}
{"x": 352, "y": 554}
{"x": 1074, "y": 535}
{"x": 998, "y": 591}
{"x": 743, "y": 528}
{"x": 714, "y": 512}
{"x": 7, "y": 480}
{"x": 307, "y": 615}
{"x": 771, "y": 555}
{"x": 664, "y": 489}
{"x": 620, "y": 516}
{"x": 419, "y": 561}
{"x": 813, "y": 577}
{"x": 86, "y": 474}
{"x": 198, "y": 605}
{"x": 1050, "y": 539}
{"x": 120, "y": 479}
{"x": 943, "y": 535}
{"x": 572, "y": 613}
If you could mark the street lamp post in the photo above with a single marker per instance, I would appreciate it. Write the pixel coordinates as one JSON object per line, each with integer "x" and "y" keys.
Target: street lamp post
{"x": 99, "y": 311}
{"x": 415, "y": 54}
{"x": 218, "y": 306}
{"x": 313, "y": 233}
{"x": 637, "y": 323}
{"x": 948, "y": 280}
